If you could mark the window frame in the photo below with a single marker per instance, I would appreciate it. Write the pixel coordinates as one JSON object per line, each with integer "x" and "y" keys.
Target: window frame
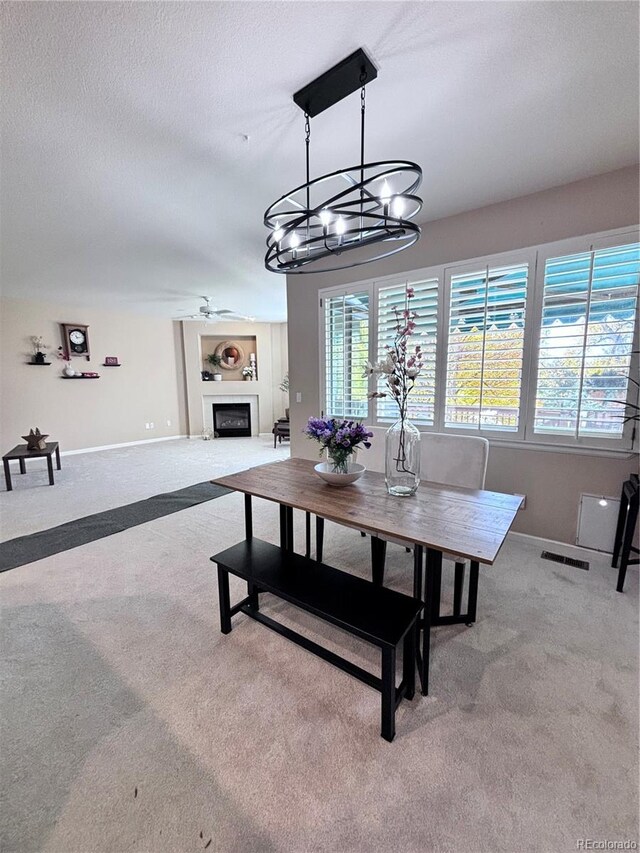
{"x": 527, "y": 257}
{"x": 328, "y": 293}
{"x": 535, "y": 257}
{"x": 628, "y": 439}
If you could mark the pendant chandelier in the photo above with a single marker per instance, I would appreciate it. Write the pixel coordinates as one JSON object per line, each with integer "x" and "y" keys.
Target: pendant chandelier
{"x": 367, "y": 207}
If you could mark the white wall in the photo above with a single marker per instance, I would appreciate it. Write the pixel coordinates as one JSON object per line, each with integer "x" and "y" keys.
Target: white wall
{"x": 552, "y": 481}
{"x": 147, "y": 388}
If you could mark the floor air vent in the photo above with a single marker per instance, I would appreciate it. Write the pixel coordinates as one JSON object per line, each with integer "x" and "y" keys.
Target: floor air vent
{"x": 567, "y": 561}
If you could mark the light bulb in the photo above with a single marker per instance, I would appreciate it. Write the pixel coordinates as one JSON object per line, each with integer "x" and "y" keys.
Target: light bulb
{"x": 603, "y": 502}
{"x": 385, "y": 195}
{"x": 325, "y": 217}
{"x": 278, "y": 233}
{"x": 397, "y": 206}
{"x": 340, "y": 225}
{"x": 294, "y": 242}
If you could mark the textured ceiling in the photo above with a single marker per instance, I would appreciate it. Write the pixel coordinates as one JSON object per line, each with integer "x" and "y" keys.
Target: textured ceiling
{"x": 127, "y": 180}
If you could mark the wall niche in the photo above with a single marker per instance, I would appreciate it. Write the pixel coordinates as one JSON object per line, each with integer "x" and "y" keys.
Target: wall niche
{"x": 238, "y": 351}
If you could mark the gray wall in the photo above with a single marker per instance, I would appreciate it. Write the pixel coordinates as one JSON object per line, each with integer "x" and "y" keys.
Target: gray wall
{"x": 552, "y": 481}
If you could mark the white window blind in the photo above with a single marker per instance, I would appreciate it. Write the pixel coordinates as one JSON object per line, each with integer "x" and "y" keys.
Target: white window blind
{"x": 425, "y": 304}
{"x": 346, "y": 342}
{"x": 485, "y": 349}
{"x": 586, "y": 340}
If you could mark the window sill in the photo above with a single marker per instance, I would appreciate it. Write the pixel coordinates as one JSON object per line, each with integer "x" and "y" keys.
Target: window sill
{"x": 539, "y": 446}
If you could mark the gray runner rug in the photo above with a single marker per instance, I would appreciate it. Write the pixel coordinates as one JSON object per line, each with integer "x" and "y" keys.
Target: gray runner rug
{"x": 37, "y": 546}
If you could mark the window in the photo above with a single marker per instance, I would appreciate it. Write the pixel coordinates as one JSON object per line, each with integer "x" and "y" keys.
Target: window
{"x": 537, "y": 346}
{"x": 346, "y": 342}
{"x": 421, "y": 408}
{"x": 486, "y": 347}
{"x": 586, "y": 341}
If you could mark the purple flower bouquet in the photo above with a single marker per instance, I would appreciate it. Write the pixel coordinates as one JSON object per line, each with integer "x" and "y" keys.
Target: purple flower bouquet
{"x": 338, "y": 438}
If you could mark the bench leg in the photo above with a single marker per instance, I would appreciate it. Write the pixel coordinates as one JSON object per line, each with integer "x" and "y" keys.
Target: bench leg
{"x": 23, "y": 468}
{"x": 409, "y": 662}
{"x": 388, "y": 693}
{"x": 378, "y": 556}
{"x": 58, "y": 466}
{"x": 458, "y": 583}
{"x": 7, "y": 474}
{"x": 225, "y": 603}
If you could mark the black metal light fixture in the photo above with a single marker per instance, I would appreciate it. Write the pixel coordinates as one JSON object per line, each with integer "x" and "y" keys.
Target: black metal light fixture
{"x": 368, "y": 207}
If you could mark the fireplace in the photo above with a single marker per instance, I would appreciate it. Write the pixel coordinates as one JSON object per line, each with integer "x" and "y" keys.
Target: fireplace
{"x": 231, "y": 420}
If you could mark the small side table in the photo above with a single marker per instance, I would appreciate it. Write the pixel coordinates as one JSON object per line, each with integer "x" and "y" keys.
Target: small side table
{"x": 21, "y": 453}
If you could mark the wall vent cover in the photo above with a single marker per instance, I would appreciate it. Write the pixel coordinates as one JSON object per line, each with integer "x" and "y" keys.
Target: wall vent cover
{"x": 567, "y": 561}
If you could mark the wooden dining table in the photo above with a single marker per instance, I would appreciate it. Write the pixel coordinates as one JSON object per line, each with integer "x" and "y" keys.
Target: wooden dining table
{"x": 467, "y": 523}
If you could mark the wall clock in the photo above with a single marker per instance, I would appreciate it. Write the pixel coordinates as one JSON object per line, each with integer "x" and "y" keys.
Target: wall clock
{"x": 75, "y": 339}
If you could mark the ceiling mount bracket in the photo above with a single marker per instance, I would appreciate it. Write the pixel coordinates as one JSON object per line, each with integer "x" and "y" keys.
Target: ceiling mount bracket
{"x": 336, "y": 83}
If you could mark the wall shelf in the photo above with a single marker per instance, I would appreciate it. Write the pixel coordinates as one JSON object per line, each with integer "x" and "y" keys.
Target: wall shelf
{"x": 79, "y": 377}
{"x": 111, "y": 365}
{"x": 40, "y": 363}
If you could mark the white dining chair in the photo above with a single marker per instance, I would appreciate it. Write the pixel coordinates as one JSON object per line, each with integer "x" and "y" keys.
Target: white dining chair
{"x": 452, "y": 460}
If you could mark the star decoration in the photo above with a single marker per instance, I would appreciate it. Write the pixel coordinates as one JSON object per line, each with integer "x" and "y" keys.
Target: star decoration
{"x": 36, "y": 440}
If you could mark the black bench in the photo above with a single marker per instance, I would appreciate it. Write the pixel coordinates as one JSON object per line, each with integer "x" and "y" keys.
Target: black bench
{"x": 377, "y": 615}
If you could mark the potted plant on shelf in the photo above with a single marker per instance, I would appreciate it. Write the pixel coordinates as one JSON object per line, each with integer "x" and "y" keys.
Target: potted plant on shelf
{"x": 215, "y": 361}
{"x": 247, "y": 372}
{"x": 38, "y": 347}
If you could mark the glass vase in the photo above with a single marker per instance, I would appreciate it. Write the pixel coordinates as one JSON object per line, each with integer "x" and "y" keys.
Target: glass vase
{"x": 339, "y": 461}
{"x": 402, "y": 458}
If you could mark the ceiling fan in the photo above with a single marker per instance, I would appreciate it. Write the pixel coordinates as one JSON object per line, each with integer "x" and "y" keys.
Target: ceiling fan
{"x": 208, "y": 312}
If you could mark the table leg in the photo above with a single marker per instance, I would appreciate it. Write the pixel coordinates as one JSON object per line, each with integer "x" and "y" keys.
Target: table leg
{"x": 7, "y": 474}
{"x": 458, "y": 584}
{"x": 378, "y": 554}
{"x": 252, "y": 589}
{"x": 307, "y": 530}
{"x": 319, "y": 537}
{"x": 50, "y": 469}
{"x": 290, "y": 544}
{"x": 437, "y": 592}
{"x": 248, "y": 517}
{"x": 473, "y": 592}
{"x": 409, "y": 663}
{"x": 23, "y": 469}
{"x": 434, "y": 565}
{"x": 283, "y": 527}
{"x": 58, "y": 466}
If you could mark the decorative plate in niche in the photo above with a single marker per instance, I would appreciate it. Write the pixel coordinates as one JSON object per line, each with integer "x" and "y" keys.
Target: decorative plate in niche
{"x": 232, "y": 355}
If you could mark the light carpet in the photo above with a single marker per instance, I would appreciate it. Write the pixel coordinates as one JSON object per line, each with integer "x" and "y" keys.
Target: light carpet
{"x": 116, "y": 679}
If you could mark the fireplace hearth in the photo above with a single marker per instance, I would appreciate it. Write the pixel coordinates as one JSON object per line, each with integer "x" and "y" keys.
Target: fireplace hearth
{"x": 232, "y": 420}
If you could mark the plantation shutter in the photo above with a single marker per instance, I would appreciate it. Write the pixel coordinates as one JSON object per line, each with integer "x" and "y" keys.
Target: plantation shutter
{"x": 586, "y": 341}
{"x": 485, "y": 349}
{"x": 425, "y": 304}
{"x": 346, "y": 333}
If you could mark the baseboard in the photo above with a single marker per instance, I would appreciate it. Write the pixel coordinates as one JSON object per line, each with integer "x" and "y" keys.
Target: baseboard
{"x": 122, "y": 444}
{"x": 554, "y": 545}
